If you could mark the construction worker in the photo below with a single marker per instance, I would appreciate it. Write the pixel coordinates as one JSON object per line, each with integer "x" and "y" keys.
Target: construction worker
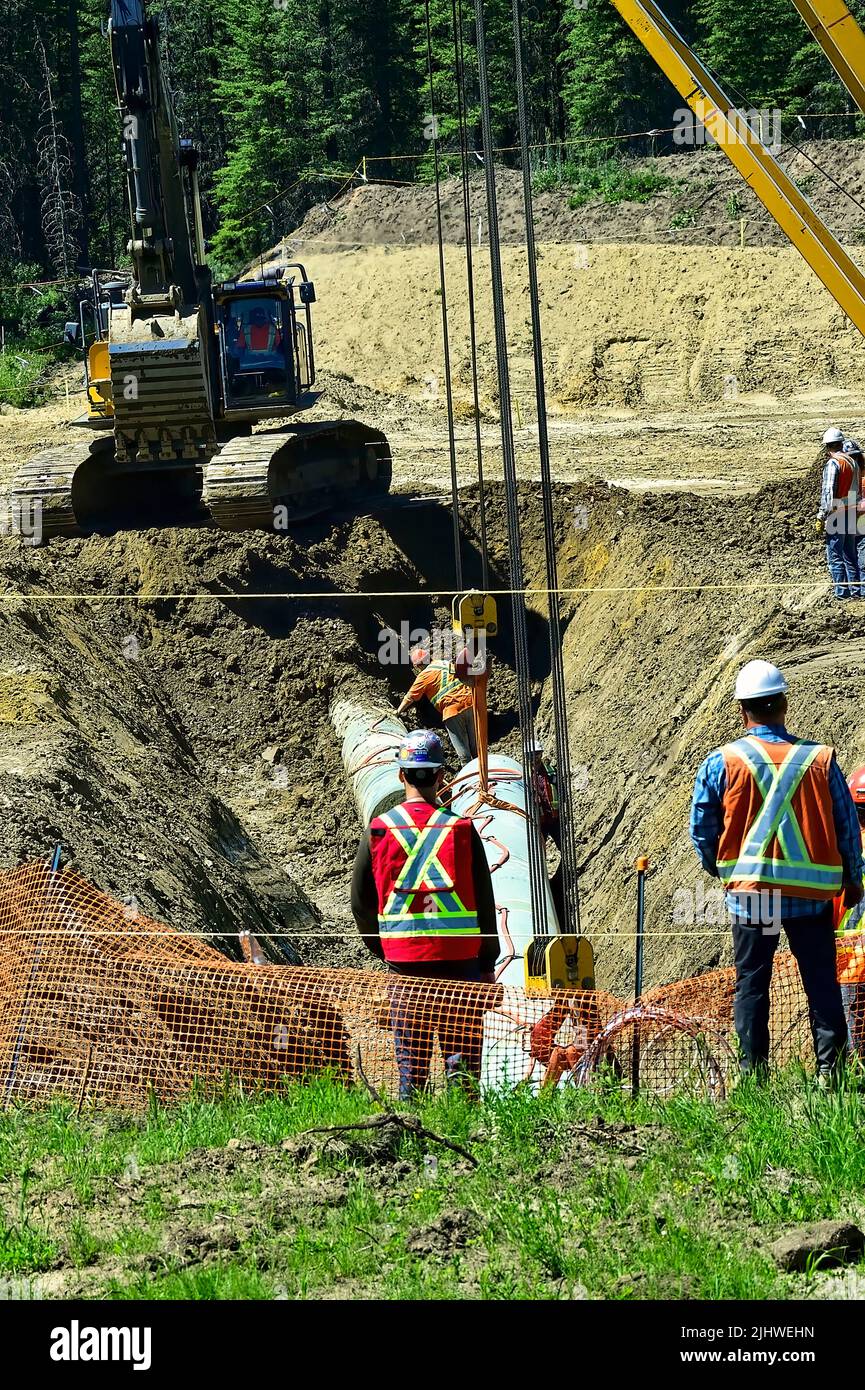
{"x": 262, "y": 334}
{"x": 450, "y": 696}
{"x": 772, "y": 817}
{"x": 547, "y": 793}
{"x": 422, "y": 898}
{"x": 836, "y": 515}
{"x": 850, "y": 931}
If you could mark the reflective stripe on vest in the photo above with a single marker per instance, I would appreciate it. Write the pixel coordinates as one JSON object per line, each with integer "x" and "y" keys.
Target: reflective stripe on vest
{"x": 777, "y": 819}
{"x": 424, "y": 873}
{"x": 449, "y": 683}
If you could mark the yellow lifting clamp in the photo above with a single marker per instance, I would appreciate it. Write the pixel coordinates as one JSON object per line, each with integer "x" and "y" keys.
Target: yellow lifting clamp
{"x": 475, "y": 613}
{"x": 559, "y": 962}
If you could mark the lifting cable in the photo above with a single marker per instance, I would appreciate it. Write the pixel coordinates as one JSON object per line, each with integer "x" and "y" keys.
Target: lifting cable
{"x": 538, "y": 883}
{"x": 460, "y": 76}
{"x": 455, "y": 504}
{"x": 557, "y": 669}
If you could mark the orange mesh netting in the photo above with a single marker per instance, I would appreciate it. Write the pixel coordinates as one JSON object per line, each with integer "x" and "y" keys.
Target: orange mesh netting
{"x": 101, "y": 1005}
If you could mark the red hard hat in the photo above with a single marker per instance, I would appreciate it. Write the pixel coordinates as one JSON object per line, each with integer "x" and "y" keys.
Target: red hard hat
{"x": 856, "y": 783}
{"x": 419, "y": 656}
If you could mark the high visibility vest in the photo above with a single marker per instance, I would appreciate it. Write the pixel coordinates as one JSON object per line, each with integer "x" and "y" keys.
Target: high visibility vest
{"x": 779, "y": 828}
{"x": 261, "y": 337}
{"x": 846, "y": 475}
{"x": 449, "y": 683}
{"x": 422, "y": 866}
{"x": 850, "y": 929}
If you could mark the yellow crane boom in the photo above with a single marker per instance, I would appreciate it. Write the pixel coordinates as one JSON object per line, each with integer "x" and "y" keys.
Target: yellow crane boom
{"x": 841, "y": 39}
{"x": 742, "y": 146}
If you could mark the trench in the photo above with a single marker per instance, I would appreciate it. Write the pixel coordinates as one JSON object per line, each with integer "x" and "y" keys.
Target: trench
{"x": 180, "y": 747}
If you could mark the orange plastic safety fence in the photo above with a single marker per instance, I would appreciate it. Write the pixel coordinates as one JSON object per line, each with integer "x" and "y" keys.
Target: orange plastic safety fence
{"x": 105, "y": 1007}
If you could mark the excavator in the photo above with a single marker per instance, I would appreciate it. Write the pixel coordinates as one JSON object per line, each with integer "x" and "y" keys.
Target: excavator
{"x": 180, "y": 370}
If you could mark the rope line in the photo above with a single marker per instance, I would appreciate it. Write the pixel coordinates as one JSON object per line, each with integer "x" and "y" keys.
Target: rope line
{"x": 460, "y": 76}
{"x": 538, "y": 882}
{"x": 602, "y": 139}
{"x": 333, "y": 594}
{"x": 298, "y": 937}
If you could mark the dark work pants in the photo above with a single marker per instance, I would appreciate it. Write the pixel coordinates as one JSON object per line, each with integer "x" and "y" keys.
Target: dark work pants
{"x": 421, "y": 1010}
{"x": 812, "y": 941}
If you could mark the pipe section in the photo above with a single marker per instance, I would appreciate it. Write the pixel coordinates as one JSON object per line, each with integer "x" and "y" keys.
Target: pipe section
{"x": 370, "y": 739}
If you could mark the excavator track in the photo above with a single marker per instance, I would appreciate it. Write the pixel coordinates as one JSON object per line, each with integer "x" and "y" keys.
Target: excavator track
{"x": 41, "y": 494}
{"x": 268, "y": 480}
{"x": 277, "y": 477}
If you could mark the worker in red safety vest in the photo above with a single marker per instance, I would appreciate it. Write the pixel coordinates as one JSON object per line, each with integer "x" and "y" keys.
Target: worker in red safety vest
{"x": 850, "y": 936}
{"x": 422, "y": 898}
{"x": 837, "y": 515}
{"x": 772, "y": 817}
{"x": 261, "y": 335}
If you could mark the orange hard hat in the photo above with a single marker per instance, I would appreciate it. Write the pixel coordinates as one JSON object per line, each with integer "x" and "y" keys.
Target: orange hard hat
{"x": 419, "y": 656}
{"x": 856, "y": 783}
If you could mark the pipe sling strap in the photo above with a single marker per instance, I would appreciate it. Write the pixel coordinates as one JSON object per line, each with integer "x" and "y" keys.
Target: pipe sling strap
{"x": 777, "y": 820}
{"x": 444, "y": 913}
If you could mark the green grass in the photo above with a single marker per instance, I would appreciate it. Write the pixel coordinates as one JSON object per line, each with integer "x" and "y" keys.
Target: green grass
{"x": 575, "y": 1194}
{"x": 685, "y": 217}
{"x": 608, "y": 181}
{"x": 21, "y": 375}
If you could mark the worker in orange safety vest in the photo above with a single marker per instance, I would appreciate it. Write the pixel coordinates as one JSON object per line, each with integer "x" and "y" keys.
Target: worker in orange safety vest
{"x": 837, "y": 516}
{"x": 262, "y": 334}
{"x": 773, "y": 818}
{"x": 450, "y": 696}
{"x": 850, "y": 929}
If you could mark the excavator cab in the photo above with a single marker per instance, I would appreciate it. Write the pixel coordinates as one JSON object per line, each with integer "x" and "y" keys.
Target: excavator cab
{"x": 265, "y": 344}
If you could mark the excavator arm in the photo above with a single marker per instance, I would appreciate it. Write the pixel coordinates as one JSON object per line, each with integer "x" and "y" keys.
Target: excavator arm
{"x": 161, "y": 339}
{"x": 760, "y": 170}
{"x": 161, "y": 247}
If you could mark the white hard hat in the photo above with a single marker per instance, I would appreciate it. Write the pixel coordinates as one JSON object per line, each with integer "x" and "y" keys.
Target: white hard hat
{"x": 833, "y": 436}
{"x": 757, "y": 680}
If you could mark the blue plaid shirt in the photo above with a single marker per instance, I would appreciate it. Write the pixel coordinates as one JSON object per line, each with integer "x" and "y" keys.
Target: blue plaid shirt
{"x": 707, "y": 823}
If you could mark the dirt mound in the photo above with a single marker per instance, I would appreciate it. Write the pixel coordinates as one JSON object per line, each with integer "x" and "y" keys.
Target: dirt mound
{"x": 703, "y": 203}
{"x": 633, "y": 328}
